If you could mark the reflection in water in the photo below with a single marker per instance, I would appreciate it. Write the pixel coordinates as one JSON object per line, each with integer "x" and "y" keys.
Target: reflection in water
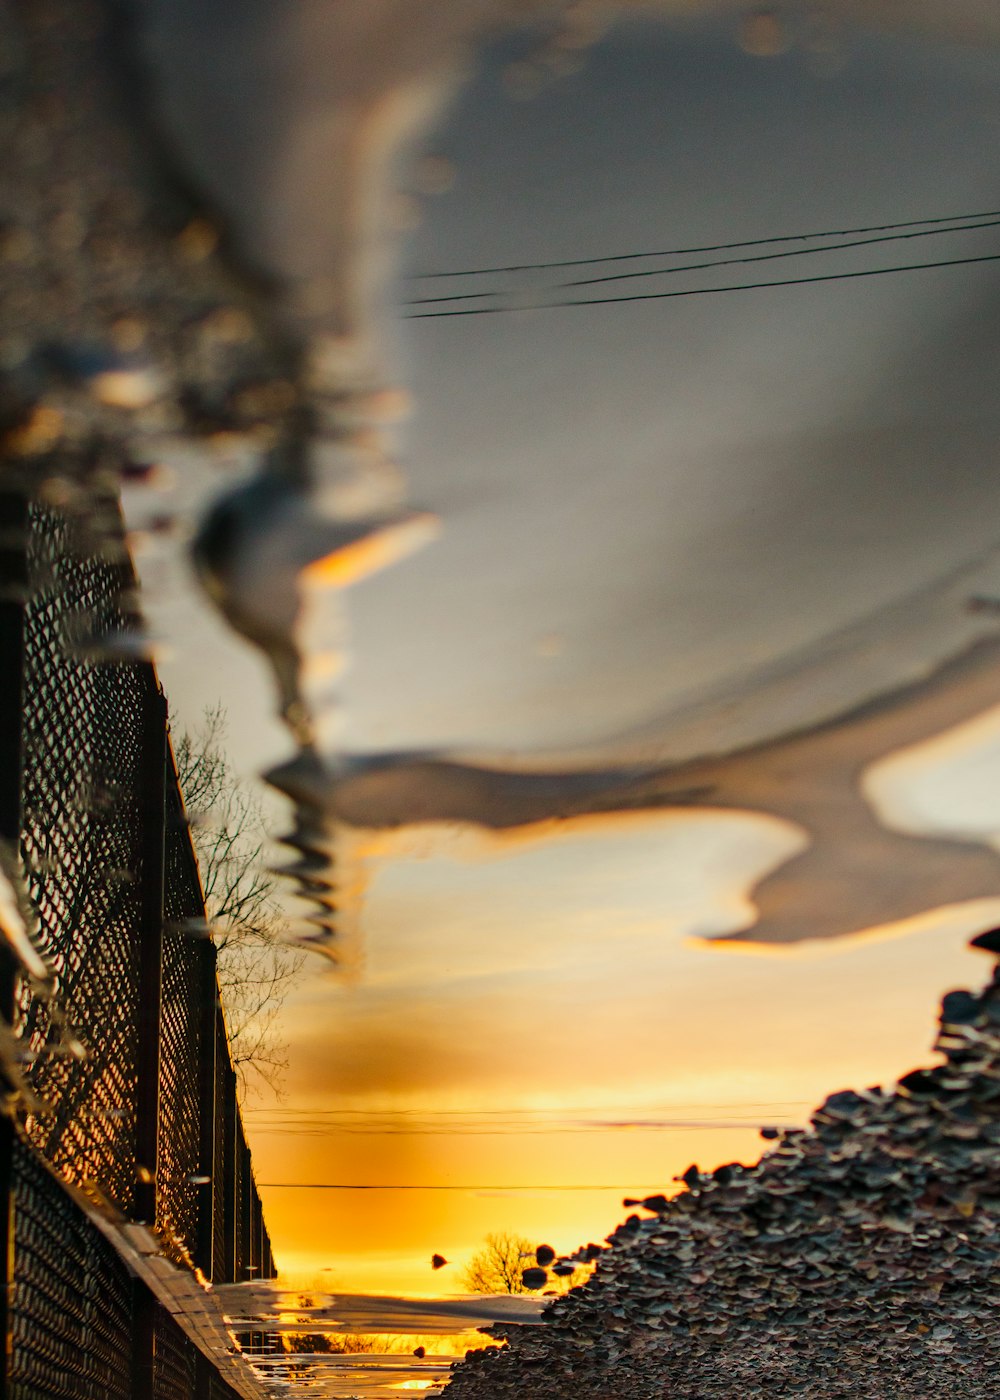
{"x": 857, "y": 1257}
{"x": 704, "y": 560}
{"x": 326, "y": 1345}
{"x": 946, "y": 784}
{"x": 788, "y": 536}
{"x": 497, "y": 1049}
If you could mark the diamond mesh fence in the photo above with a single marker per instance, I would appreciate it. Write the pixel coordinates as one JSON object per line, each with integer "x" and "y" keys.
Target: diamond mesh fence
{"x": 71, "y": 1302}
{"x": 174, "y": 1360}
{"x": 109, "y": 874}
{"x": 244, "y": 1189}
{"x": 81, "y": 845}
{"x": 220, "y": 1268}
{"x": 186, "y": 995}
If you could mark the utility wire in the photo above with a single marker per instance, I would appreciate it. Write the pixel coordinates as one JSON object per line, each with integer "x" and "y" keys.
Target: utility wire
{"x": 689, "y": 1126}
{"x": 344, "y": 1186}
{"x": 717, "y": 262}
{"x": 698, "y": 291}
{"x": 710, "y": 247}
{"x": 505, "y": 1112}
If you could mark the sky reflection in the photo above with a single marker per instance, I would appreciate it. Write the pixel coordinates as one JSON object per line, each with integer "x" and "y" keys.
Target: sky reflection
{"x": 669, "y": 529}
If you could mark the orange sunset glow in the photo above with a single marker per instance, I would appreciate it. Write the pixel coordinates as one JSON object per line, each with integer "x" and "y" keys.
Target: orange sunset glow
{"x": 492, "y": 1057}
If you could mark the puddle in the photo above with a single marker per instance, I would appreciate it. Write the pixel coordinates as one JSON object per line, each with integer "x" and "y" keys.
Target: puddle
{"x": 374, "y": 1345}
{"x": 626, "y": 572}
{"x": 735, "y": 570}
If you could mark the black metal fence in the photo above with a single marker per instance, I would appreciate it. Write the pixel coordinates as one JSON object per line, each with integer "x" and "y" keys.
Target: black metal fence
{"x": 72, "y": 1304}
{"x": 129, "y": 1059}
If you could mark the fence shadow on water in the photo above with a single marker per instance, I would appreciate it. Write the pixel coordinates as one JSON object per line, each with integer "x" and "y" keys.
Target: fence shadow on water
{"x": 139, "y": 1122}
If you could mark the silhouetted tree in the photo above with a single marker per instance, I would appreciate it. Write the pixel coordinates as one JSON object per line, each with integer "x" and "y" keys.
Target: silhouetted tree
{"x": 256, "y": 969}
{"x": 498, "y": 1267}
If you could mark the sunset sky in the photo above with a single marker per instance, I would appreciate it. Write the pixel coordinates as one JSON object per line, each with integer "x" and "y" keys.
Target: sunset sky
{"x": 642, "y": 511}
{"x": 491, "y": 1080}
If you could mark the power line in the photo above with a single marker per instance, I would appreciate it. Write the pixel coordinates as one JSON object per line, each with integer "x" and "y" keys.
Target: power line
{"x": 711, "y": 247}
{"x": 787, "y": 253}
{"x": 717, "y": 262}
{"x": 522, "y": 1123}
{"x": 354, "y": 1186}
{"x": 293, "y": 1130}
{"x": 503, "y": 1112}
{"x": 698, "y": 291}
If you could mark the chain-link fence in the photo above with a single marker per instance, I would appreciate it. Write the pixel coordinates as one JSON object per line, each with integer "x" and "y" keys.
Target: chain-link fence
{"x": 82, "y": 852}
{"x": 128, "y": 1059}
{"x": 71, "y": 1310}
{"x": 81, "y": 1327}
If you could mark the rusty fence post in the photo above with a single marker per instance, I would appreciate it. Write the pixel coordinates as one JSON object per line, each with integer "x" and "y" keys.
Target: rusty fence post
{"x": 150, "y": 956}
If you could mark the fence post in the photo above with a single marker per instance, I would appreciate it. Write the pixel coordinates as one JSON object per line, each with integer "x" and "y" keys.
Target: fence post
{"x": 246, "y": 1211}
{"x": 202, "y": 1377}
{"x": 256, "y": 1229}
{"x": 151, "y": 956}
{"x": 13, "y": 597}
{"x": 208, "y": 1108}
{"x": 143, "y": 1340}
{"x": 230, "y": 1177}
{"x": 258, "y": 1235}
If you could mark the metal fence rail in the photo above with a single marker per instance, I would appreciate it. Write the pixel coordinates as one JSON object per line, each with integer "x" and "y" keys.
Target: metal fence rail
{"x": 130, "y": 1058}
